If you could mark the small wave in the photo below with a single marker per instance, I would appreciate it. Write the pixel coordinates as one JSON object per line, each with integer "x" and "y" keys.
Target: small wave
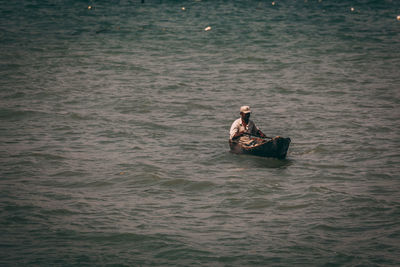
{"x": 47, "y": 156}
{"x": 189, "y": 185}
{"x": 90, "y": 184}
{"x": 58, "y": 212}
{"x": 131, "y": 237}
{"x": 185, "y": 254}
{"x": 12, "y": 114}
{"x": 69, "y": 173}
{"x": 294, "y": 207}
{"x": 327, "y": 227}
{"x": 79, "y": 116}
{"x": 16, "y": 95}
{"x": 198, "y": 186}
{"x": 175, "y": 182}
{"x": 315, "y": 150}
{"x": 257, "y": 204}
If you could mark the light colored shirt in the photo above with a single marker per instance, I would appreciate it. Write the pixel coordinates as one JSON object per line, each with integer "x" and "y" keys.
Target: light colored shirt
{"x": 237, "y": 126}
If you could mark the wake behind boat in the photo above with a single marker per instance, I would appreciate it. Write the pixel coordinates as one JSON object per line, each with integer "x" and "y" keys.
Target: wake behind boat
{"x": 276, "y": 147}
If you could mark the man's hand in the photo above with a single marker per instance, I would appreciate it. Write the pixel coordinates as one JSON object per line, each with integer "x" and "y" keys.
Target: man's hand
{"x": 242, "y": 133}
{"x": 238, "y": 134}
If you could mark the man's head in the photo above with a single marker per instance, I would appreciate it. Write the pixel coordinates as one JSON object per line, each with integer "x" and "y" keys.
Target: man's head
{"x": 245, "y": 113}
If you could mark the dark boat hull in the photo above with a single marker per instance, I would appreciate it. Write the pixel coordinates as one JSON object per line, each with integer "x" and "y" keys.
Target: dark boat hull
{"x": 275, "y": 148}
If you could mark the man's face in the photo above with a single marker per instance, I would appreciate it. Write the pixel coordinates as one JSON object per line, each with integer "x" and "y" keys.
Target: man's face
{"x": 245, "y": 116}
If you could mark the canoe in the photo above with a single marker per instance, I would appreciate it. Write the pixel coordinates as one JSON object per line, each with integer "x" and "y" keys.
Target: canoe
{"x": 276, "y": 147}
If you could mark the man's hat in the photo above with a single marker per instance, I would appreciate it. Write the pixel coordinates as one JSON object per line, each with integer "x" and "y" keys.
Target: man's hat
{"x": 245, "y": 109}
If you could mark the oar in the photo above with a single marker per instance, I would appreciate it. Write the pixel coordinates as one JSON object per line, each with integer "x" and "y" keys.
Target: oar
{"x": 267, "y": 137}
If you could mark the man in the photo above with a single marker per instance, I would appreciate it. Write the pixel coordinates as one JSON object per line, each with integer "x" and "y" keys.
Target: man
{"x": 244, "y": 125}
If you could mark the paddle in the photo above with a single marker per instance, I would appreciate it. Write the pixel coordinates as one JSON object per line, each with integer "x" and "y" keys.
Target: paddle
{"x": 266, "y": 137}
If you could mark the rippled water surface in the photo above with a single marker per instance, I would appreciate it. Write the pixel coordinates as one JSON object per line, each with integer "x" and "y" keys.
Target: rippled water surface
{"x": 114, "y": 126}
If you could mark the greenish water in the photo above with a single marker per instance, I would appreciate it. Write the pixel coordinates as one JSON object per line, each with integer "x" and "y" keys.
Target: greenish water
{"x": 114, "y": 126}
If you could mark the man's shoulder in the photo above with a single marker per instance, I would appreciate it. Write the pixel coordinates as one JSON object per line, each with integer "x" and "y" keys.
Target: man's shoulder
{"x": 237, "y": 121}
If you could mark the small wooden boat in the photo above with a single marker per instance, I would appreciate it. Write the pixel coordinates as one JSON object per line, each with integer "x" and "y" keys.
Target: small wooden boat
{"x": 276, "y": 147}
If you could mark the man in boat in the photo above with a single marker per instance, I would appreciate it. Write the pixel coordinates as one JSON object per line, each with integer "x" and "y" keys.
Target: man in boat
{"x": 243, "y": 127}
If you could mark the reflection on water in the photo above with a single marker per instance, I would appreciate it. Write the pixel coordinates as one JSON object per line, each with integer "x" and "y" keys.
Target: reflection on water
{"x": 249, "y": 161}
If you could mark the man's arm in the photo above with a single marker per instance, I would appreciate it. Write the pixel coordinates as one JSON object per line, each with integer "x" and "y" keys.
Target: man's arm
{"x": 238, "y": 134}
{"x": 261, "y": 134}
{"x": 234, "y": 132}
{"x": 257, "y": 132}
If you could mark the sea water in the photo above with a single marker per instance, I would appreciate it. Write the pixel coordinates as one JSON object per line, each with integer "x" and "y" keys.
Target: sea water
{"x": 114, "y": 126}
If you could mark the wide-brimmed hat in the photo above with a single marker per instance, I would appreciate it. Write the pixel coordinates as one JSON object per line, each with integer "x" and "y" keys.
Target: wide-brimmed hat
{"x": 245, "y": 109}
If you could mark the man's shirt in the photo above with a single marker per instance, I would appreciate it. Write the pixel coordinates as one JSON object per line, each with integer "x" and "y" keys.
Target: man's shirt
{"x": 237, "y": 126}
